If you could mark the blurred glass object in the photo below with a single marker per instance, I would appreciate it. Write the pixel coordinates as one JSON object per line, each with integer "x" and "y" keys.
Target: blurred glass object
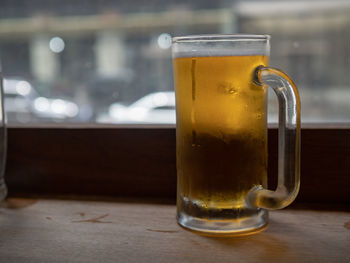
{"x": 3, "y": 143}
{"x": 82, "y": 57}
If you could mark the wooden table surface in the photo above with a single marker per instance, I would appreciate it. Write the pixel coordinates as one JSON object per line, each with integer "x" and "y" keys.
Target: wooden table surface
{"x": 89, "y": 231}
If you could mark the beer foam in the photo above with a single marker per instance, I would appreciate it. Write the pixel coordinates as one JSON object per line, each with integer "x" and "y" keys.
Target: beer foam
{"x": 221, "y": 45}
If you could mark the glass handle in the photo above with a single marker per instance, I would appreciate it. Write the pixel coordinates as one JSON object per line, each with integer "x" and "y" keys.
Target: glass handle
{"x": 288, "y": 141}
{"x": 3, "y": 142}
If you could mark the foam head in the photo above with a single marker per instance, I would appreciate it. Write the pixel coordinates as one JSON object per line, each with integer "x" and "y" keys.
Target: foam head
{"x": 220, "y": 45}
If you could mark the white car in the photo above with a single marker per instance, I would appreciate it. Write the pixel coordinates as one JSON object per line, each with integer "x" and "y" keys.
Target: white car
{"x": 157, "y": 107}
{"x": 23, "y": 103}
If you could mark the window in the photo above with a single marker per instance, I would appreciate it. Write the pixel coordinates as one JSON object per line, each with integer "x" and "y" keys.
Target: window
{"x": 82, "y": 58}
{"x": 88, "y": 61}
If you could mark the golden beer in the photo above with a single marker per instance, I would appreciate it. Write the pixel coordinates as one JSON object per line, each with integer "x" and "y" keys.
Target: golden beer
{"x": 221, "y": 133}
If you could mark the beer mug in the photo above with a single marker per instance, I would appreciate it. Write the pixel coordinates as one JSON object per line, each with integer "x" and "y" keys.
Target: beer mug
{"x": 221, "y": 86}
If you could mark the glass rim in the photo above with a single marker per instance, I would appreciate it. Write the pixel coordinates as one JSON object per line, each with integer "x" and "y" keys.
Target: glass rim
{"x": 220, "y": 38}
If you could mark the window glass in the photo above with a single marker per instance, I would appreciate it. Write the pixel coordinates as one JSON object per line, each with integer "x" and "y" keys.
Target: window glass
{"x": 109, "y": 61}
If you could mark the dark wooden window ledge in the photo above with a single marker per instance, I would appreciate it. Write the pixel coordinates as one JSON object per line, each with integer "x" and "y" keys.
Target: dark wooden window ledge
{"x": 141, "y": 162}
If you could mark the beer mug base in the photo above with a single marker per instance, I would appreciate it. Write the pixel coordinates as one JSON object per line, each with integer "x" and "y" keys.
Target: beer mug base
{"x": 237, "y": 225}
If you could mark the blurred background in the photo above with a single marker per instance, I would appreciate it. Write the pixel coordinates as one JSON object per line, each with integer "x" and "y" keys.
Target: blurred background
{"x": 109, "y": 61}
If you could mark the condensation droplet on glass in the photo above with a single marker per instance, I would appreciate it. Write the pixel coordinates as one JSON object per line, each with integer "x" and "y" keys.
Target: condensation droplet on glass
{"x": 258, "y": 115}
